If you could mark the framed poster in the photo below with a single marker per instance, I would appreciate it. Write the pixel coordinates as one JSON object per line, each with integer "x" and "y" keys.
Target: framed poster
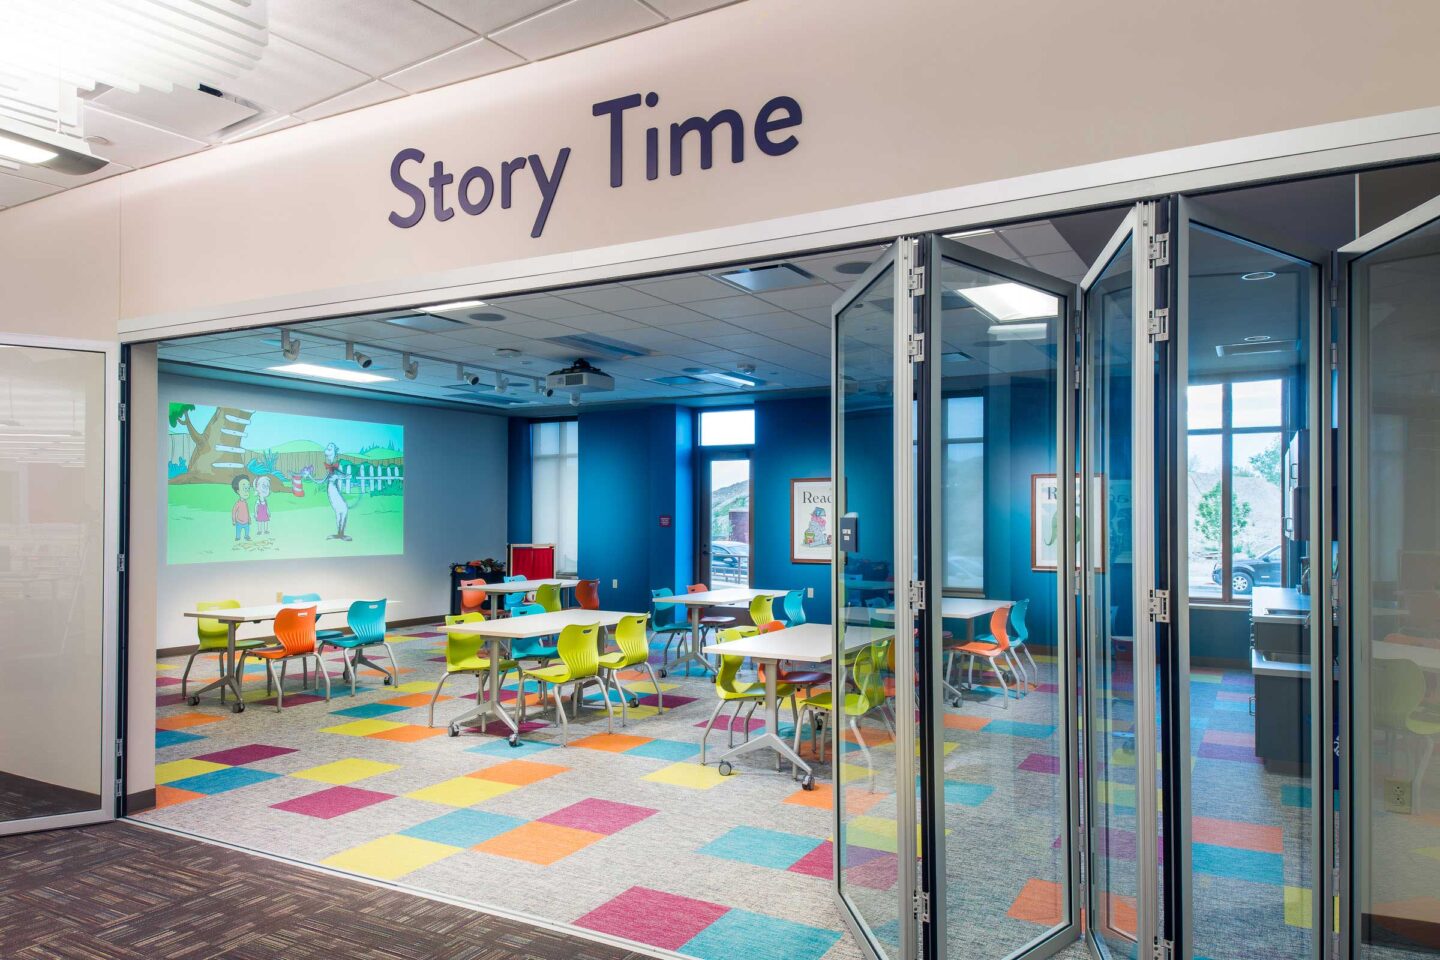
{"x": 1045, "y": 525}
{"x": 811, "y": 529}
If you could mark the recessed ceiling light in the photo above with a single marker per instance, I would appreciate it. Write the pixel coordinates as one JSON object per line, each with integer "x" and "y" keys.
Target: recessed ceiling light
{"x": 328, "y": 373}
{"x": 21, "y": 152}
{"x": 452, "y": 305}
{"x": 1020, "y": 331}
{"x": 506, "y": 352}
{"x": 98, "y": 141}
{"x": 1258, "y": 275}
{"x": 487, "y": 317}
{"x": 1260, "y": 339}
{"x": 1008, "y": 302}
{"x": 852, "y": 267}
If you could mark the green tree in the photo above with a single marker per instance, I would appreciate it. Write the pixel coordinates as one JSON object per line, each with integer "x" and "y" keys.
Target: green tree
{"x": 1210, "y": 517}
{"x": 1266, "y": 463}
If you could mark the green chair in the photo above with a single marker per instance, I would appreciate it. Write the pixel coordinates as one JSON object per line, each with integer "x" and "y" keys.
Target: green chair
{"x": 634, "y": 643}
{"x": 579, "y": 666}
{"x": 867, "y": 675}
{"x": 464, "y": 653}
{"x": 367, "y": 629}
{"x": 1397, "y": 696}
{"x": 548, "y": 596}
{"x": 731, "y": 689}
{"x": 213, "y": 636}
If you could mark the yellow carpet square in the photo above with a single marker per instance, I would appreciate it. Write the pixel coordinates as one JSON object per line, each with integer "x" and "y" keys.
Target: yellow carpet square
{"x": 462, "y": 791}
{"x": 362, "y": 728}
{"x": 180, "y": 769}
{"x": 342, "y": 772}
{"x": 877, "y": 833}
{"x": 390, "y": 858}
{"x": 1298, "y": 904}
{"x": 690, "y": 775}
{"x": 417, "y": 686}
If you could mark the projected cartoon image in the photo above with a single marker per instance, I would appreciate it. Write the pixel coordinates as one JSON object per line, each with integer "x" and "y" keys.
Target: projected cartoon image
{"x": 254, "y": 485}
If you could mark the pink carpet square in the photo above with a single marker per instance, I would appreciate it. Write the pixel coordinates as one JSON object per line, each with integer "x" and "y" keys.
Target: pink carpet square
{"x": 724, "y": 723}
{"x": 236, "y": 756}
{"x": 169, "y": 700}
{"x": 649, "y": 916}
{"x": 882, "y": 873}
{"x": 1040, "y": 763}
{"x": 819, "y": 862}
{"x": 333, "y": 802}
{"x": 652, "y": 700}
{"x": 292, "y": 700}
{"x": 599, "y": 816}
{"x": 167, "y": 681}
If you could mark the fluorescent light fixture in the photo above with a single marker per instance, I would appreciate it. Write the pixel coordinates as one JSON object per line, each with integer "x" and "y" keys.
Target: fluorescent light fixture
{"x": 1020, "y": 331}
{"x": 724, "y": 377}
{"x": 1008, "y": 302}
{"x": 20, "y": 152}
{"x": 328, "y": 373}
{"x": 453, "y": 305}
{"x": 984, "y": 231}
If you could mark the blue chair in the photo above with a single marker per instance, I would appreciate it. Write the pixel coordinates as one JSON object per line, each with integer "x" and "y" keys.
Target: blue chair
{"x": 794, "y": 608}
{"x": 367, "y": 629}
{"x": 669, "y": 619}
{"x": 1019, "y": 634}
{"x": 531, "y": 648}
{"x": 321, "y": 636}
{"x": 514, "y": 601}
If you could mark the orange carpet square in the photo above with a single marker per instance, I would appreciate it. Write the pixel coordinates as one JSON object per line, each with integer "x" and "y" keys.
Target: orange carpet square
{"x": 1235, "y": 833}
{"x": 857, "y": 800}
{"x": 611, "y": 742}
{"x": 173, "y": 796}
{"x": 183, "y": 720}
{"x": 870, "y": 736}
{"x": 1040, "y": 901}
{"x": 519, "y": 772}
{"x": 408, "y": 734}
{"x": 539, "y": 843}
{"x": 414, "y": 700}
{"x": 1122, "y": 914}
{"x": 964, "y": 721}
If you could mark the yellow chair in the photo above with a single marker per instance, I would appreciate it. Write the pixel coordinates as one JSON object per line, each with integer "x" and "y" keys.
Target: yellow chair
{"x": 548, "y": 596}
{"x": 579, "y": 651}
{"x": 213, "y": 636}
{"x": 731, "y": 689}
{"x": 1398, "y": 698}
{"x": 634, "y": 643}
{"x": 866, "y": 674}
{"x": 464, "y": 653}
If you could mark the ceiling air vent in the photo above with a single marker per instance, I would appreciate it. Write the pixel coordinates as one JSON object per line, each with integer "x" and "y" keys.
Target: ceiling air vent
{"x": 594, "y": 345}
{"x": 779, "y": 276}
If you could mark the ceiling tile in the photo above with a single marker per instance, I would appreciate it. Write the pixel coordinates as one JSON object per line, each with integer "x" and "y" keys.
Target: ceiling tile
{"x": 686, "y": 289}
{"x": 474, "y": 59}
{"x": 578, "y": 23}
{"x": 675, "y": 9}
{"x": 822, "y": 295}
{"x": 484, "y": 16}
{"x": 1066, "y": 266}
{"x": 268, "y": 126}
{"x": 1035, "y": 239}
{"x": 362, "y": 96}
{"x": 542, "y": 307}
{"x": 190, "y": 113}
{"x": 614, "y": 298}
{"x": 667, "y": 315}
{"x": 65, "y": 180}
{"x": 16, "y": 189}
{"x": 290, "y": 77}
{"x": 733, "y": 307}
{"x": 373, "y": 36}
{"x": 133, "y": 143}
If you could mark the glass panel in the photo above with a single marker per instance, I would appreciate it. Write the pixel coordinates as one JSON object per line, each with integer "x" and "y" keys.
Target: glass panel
{"x": 1396, "y": 618}
{"x": 555, "y": 491}
{"x": 727, "y": 428}
{"x": 1251, "y": 822}
{"x": 1204, "y": 403}
{"x": 52, "y": 571}
{"x": 1005, "y": 845}
{"x": 1111, "y": 715}
{"x": 868, "y": 811}
{"x": 729, "y": 499}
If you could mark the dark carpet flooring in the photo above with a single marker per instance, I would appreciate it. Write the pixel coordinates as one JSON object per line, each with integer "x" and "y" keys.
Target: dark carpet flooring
{"x": 122, "y": 892}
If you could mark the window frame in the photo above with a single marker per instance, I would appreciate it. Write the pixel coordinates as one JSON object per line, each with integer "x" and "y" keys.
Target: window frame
{"x": 700, "y": 443}
{"x": 977, "y": 592}
{"x": 703, "y": 455}
{"x": 574, "y": 455}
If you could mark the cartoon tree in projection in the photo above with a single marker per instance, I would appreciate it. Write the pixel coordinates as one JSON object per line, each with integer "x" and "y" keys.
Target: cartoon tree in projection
{"x": 219, "y": 447}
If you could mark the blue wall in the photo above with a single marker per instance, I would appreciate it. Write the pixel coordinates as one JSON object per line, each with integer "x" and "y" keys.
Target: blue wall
{"x": 792, "y": 442}
{"x": 518, "y": 470}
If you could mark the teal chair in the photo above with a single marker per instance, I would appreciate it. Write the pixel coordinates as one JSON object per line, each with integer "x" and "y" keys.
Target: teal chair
{"x": 321, "y": 636}
{"x": 1019, "y": 634}
{"x": 670, "y": 620}
{"x": 367, "y": 629}
{"x": 540, "y": 649}
{"x": 795, "y": 608}
{"x": 514, "y": 601}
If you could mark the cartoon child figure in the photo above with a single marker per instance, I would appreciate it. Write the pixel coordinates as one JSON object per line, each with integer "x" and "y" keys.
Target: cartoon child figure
{"x": 240, "y": 513}
{"x": 262, "y": 506}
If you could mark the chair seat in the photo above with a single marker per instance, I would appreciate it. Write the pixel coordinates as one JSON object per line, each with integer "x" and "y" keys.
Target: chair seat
{"x": 471, "y": 664}
{"x": 980, "y": 649}
{"x": 803, "y": 678}
{"x": 754, "y": 690}
{"x": 617, "y": 661}
{"x": 239, "y": 645}
{"x": 673, "y": 628}
{"x": 328, "y": 634}
{"x": 854, "y": 704}
{"x": 717, "y": 620}
{"x": 559, "y": 673}
{"x": 348, "y": 642}
{"x": 280, "y": 653}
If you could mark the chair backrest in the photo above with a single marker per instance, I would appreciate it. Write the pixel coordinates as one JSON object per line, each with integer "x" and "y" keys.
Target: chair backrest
{"x": 472, "y": 599}
{"x": 729, "y": 666}
{"x": 633, "y": 639}
{"x": 999, "y": 633}
{"x": 587, "y": 594}
{"x": 772, "y": 626}
{"x": 528, "y": 610}
{"x": 295, "y": 629}
{"x": 548, "y": 596}
{"x": 1397, "y": 690}
{"x": 460, "y": 647}
{"x": 513, "y": 600}
{"x": 209, "y": 631}
{"x": 762, "y": 610}
{"x": 1017, "y": 621}
{"x": 367, "y": 620}
{"x": 866, "y": 672}
{"x": 667, "y": 614}
{"x": 579, "y": 648}
{"x": 299, "y": 598}
{"x": 795, "y": 608}
{"x": 696, "y": 588}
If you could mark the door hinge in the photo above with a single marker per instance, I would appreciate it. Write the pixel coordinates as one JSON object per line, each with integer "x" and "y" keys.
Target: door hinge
{"x": 915, "y": 281}
{"x": 915, "y": 347}
{"x": 119, "y": 788}
{"x": 1077, "y": 376}
{"x": 917, "y": 598}
{"x": 922, "y": 906}
{"x": 1334, "y": 356}
{"x": 1164, "y": 949}
{"x": 120, "y": 412}
{"x": 1159, "y": 606}
{"x": 1159, "y": 251}
{"x": 122, "y": 371}
{"x": 120, "y": 562}
{"x": 1158, "y": 325}
{"x": 119, "y": 748}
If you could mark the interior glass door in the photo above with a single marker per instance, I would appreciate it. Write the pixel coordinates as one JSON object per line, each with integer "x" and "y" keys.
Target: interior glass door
{"x": 58, "y": 487}
{"x": 1117, "y": 514}
{"x": 875, "y": 795}
{"x": 1391, "y": 795}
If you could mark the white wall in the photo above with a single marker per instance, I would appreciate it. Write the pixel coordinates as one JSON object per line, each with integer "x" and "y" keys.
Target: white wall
{"x": 455, "y": 503}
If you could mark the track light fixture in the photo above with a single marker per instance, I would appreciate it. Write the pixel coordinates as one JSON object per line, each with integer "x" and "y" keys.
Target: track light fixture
{"x": 411, "y": 367}
{"x": 465, "y": 376}
{"x": 574, "y": 399}
{"x": 502, "y": 383}
{"x": 289, "y": 346}
{"x": 361, "y": 360}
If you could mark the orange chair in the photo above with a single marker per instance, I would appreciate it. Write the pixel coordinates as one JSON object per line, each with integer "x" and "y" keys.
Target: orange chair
{"x": 295, "y": 631}
{"x": 473, "y": 601}
{"x": 716, "y": 622}
{"x": 587, "y": 594}
{"x": 993, "y": 648}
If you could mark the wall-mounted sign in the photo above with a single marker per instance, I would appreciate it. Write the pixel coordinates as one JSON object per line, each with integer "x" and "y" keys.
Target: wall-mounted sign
{"x": 811, "y": 533}
{"x": 664, "y": 520}
{"x": 479, "y": 186}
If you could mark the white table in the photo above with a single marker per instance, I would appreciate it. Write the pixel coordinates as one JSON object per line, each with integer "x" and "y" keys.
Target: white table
{"x": 806, "y": 643}
{"x": 517, "y": 586}
{"x": 698, "y": 602}
{"x": 496, "y": 632}
{"x": 233, "y": 617}
{"x": 968, "y": 609}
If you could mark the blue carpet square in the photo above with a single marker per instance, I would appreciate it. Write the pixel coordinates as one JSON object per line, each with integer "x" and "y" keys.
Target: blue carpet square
{"x": 501, "y": 748}
{"x": 1293, "y": 796}
{"x": 1237, "y": 864}
{"x": 463, "y": 828}
{"x": 672, "y": 750}
{"x": 1017, "y": 728}
{"x": 173, "y": 738}
{"x": 763, "y": 848}
{"x": 763, "y": 938}
{"x": 369, "y": 711}
{"x": 967, "y": 794}
{"x": 223, "y": 781}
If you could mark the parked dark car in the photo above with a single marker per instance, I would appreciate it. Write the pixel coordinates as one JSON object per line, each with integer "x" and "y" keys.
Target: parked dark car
{"x": 1246, "y": 572}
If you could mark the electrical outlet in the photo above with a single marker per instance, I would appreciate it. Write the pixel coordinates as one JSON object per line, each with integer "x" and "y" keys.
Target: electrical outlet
{"x": 1397, "y": 796}
{"x": 614, "y": 584}
{"x": 810, "y": 592}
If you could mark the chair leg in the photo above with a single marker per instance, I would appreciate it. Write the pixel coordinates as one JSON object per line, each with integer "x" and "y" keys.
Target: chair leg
{"x": 659, "y": 695}
{"x": 1033, "y": 665}
{"x": 624, "y": 711}
{"x": 1022, "y": 678}
{"x": 1004, "y": 687}
{"x": 855, "y": 729}
{"x": 798, "y": 728}
{"x": 749, "y": 714}
{"x": 708, "y": 727}
{"x": 609, "y": 710}
{"x": 279, "y": 687}
{"x": 436, "y": 696}
{"x": 560, "y": 712}
{"x": 350, "y": 667}
{"x": 324, "y": 675}
{"x": 394, "y": 664}
{"x": 240, "y": 675}
{"x": 185, "y": 677}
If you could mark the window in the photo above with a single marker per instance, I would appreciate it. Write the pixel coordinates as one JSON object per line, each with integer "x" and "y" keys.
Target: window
{"x": 1236, "y": 492}
{"x": 554, "y": 490}
{"x": 727, "y": 428}
{"x": 964, "y": 482}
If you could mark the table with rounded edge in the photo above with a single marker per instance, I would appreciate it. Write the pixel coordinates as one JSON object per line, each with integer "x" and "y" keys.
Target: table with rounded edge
{"x": 698, "y": 603}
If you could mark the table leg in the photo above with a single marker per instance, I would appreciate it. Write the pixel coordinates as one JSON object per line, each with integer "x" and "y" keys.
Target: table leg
{"x": 692, "y": 651}
{"x": 771, "y": 738}
{"x": 228, "y": 671}
{"x": 491, "y": 706}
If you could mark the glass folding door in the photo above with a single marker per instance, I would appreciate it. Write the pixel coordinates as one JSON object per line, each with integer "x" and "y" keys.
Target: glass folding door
{"x": 1391, "y": 787}
{"x": 58, "y": 491}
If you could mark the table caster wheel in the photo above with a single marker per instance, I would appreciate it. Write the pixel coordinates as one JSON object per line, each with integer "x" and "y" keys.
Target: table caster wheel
{"x": 194, "y": 701}
{"x": 808, "y": 783}
{"x": 237, "y": 708}
{"x": 454, "y": 730}
{"x": 388, "y": 681}
{"x": 663, "y": 673}
{"x": 725, "y": 768}
{"x": 634, "y": 701}
{"x": 513, "y": 740}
